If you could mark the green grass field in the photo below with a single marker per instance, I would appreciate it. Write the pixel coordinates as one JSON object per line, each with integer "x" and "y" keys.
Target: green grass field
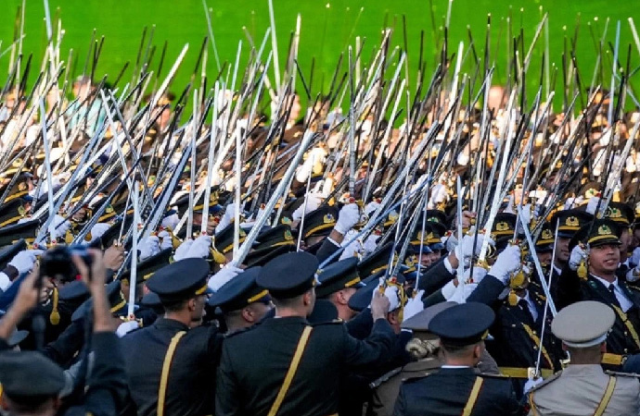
{"x": 326, "y": 30}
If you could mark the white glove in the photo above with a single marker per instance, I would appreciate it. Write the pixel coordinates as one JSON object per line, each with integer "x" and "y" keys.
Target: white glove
{"x": 149, "y": 247}
{"x": 439, "y": 195}
{"x": 347, "y": 218}
{"x": 60, "y": 226}
{"x": 531, "y": 383}
{"x": 98, "y": 230}
{"x": 126, "y": 327}
{"x": 635, "y": 257}
{"x": 633, "y": 275}
{"x": 182, "y": 250}
{"x": 592, "y": 205}
{"x": 414, "y": 305}
{"x": 449, "y": 289}
{"x": 165, "y": 240}
{"x": 24, "y": 260}
{"x": 465, "y": 251}
{"x": 507, "y": 262}
{"x": 200, "y": 248}
{"x": 463, "y": 292}
{"x": 391, "y": 292}
{"x": 313, "y": 201}
{"x": 371, "y": 207}
{"x": 371, "y": 244}
{"x": 352, "y": 250}
{"x": 223, "y": 276}
{"x": 226, "y": 219}
{"x": 577, "y": 255}
{"x": 170, "y": 221}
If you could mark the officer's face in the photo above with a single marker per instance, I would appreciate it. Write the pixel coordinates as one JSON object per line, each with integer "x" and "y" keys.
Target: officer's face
{"x": 198, "y": 312}
{"x": 562, "y": 250}
{"x": 545, "y": 258}
{"x": 625, "y": 239}
{"x": 603, "y": 260}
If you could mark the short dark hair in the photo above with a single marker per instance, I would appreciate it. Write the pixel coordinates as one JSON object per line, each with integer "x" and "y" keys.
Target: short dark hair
{"x": 174, "y": 306}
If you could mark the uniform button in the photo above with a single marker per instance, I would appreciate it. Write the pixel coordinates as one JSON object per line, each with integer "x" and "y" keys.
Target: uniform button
{"x": 513, "y": 325}
{"x": 534, "y": 332}
{"x": 535, "y": 347}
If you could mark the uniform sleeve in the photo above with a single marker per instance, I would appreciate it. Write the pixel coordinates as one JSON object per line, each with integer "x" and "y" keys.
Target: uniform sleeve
{"x": 227, "y": 392}
{"x": 568, "y": 288}
{"x": 63, "y": 349}
{"x": 326, "y": 250}
{"x": 434, "y": 278}
{"x": 107, "y": 390}
{"x": 360, "y": 326}
{"x": 399, "y": 408}
{"x": 375, "y": 349}
{"x": 487, "y": 292}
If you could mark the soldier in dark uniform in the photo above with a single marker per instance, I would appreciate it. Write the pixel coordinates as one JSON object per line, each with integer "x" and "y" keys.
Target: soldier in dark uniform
{"x": 456, "y": 388}
{"x": 176, "y": 344}
{"x": 243, "y": 303}
{"x": 32, "y": 383}
{"x": 297, "y": 371}
{"x": 520, "y": 318}
{"x": 591, "y": 275}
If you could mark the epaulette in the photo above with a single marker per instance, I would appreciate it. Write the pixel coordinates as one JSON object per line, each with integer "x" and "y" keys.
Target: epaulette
{"x": 409, "y": 380}
{"x": 376, "y": 383}
{"x": 621, "y": 374}
{"x": 549, "y": 380}
{"x": 334, "y": 321}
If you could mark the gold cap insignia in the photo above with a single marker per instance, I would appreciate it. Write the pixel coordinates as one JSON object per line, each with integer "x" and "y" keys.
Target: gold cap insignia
{"x": 572, "y": 222}
{"x": 604, "y": 230}
{"x": 547, "y": 234}
{"x": 288, "y": 236}
{"x": 502, "y": 226}
{"x": 328, "y": 219}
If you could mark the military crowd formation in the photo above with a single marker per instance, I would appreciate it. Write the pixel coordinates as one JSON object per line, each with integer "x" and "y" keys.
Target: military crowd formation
{"x": 441, "y": 246}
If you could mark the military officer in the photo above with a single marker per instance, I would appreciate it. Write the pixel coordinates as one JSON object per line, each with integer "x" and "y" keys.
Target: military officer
{"x": 172, "y": 364}
{"x": 456, "y": 388}
{"x": 298, "y": 371}
{"x": 583, "y": 388}
{"x": 242, "y": 301}
{"x": 591, "y": 275}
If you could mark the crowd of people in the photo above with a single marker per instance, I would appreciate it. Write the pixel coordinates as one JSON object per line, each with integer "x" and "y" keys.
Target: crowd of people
{"x": 476, "y": 257}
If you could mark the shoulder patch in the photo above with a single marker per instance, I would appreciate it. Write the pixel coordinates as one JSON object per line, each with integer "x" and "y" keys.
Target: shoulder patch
{"x": 376, "y": 383}
{"x": 410, "y": 380}
{"x": 547, "y": 381}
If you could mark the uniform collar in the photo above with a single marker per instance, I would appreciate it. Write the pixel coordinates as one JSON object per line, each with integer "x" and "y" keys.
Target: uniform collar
{"x": 165, "y": 323}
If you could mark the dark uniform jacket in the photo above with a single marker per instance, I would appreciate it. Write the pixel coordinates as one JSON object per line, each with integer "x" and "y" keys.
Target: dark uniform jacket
{"x": 446, "y": 392}
{"x": 624, "y": 336}
{"x": 191, "y": 382}
{"x": 106, "y": 387}
{"x": 254, "y": 364}
{"x": 516, "y": 334}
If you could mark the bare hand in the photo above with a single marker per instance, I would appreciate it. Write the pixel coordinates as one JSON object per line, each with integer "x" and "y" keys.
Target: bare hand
{"x": 96, "y": 277}
{"x": 28, "y": 294}
{"x": 379, "y": 306}
{"x": 113, "y": 257}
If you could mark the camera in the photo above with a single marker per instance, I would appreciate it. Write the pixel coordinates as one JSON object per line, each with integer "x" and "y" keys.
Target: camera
{"x": 57, "y": 262}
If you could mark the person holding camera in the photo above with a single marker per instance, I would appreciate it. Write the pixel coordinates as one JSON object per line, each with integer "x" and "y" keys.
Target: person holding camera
{"x": 32, "y": 383}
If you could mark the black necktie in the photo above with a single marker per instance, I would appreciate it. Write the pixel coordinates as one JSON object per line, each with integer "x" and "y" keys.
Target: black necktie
{"x": 612, "y": 289}
{"x": 525, "y": 307}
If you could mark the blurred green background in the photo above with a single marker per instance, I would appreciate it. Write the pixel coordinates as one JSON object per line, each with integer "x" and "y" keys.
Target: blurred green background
{"x": 326, "y": 31}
